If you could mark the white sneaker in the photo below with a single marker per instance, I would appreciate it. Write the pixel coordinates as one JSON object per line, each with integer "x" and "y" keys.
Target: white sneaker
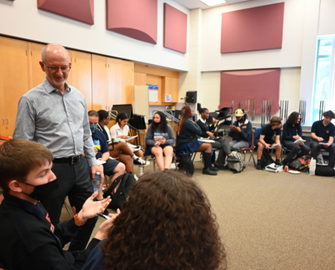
{"x": 140, "y": 171}
{"x": 320, "y": 161}
{"x": 141, "y": 162}
{"x": 135, "y": 176}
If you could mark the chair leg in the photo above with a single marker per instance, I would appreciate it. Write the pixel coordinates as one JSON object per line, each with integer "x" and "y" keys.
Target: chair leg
{"x": 154, "y": 163}
{"x": 245, "y": 155}
{"x": 194, "y": 154}
{"x": 68, "y": 208}
{"x": 252, "y": 155}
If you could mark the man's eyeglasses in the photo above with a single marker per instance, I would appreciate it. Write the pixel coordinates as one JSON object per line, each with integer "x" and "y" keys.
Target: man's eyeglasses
{"x": 55, "y": 69}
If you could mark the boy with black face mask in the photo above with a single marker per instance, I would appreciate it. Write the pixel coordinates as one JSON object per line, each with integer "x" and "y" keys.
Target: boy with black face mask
{"x": 28, "y": 239}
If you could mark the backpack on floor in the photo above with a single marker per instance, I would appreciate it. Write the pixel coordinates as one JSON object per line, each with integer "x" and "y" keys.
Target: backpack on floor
{"x": 119, "y": 190}
{"x": 300, "y": 164}
{"x": 324, "y": 171}
{"x": 186, "y": 165}
{"x": 266, "y": 158}
{"x": 236, "y": 167}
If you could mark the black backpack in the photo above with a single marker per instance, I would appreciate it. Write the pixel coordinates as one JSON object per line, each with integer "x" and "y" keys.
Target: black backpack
{"x": 186, "y": 165}
{"x": 119, "y": 190}
{"x": 324, "y": 171}
{"x": 266, "y": 158}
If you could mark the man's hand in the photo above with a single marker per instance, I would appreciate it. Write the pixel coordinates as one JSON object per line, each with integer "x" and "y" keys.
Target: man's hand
{"x": 105, "y": 226}
{"x": 97, "y": 168}
{"x": 91, "y": 208}
{"x": 268, "y": 146}
{"x": 320, "y": 139}
{"x": 296, "y": 137}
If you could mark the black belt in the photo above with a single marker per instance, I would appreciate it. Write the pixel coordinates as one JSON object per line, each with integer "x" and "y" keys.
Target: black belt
{"x": 70, "y": 160}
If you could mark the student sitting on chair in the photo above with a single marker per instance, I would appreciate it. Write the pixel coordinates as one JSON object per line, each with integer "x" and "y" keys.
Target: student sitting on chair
{"x": 112, "y": 167}
{"x": 188, "y": 143}
{"x": 266, "y": 140}
{"x": 159, "y": 140}
{"x": 220, "y": 142}
{"x": 120, "y": 150}
{"x": 28, "y": 238}
{"x": 322, "y": 134}
{"x": 241, "y": 131}
{"x": 291, "y": 132}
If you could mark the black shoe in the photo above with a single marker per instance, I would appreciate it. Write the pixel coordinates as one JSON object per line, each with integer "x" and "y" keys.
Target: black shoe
{"x": 215, "y": 169}
{"x": 221, "y": 167}
{"x": 232, "y": 159}
{"x": 278, "y": 163}
{"x": 259, "y": 166}
{"x": 209, "y": 172}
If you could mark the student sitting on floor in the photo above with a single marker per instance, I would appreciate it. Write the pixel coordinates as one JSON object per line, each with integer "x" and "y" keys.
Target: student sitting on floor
{"x": 188, "y": 143}
{"x": 291, "y": 132}
{"x": 241, "y": 131}
{"x": 28, "y": 239}
{"x": 167, "y": 223}
{"x": 266, "y": 140}
{"x": 160, "y": 139}
{"x": 322, "y": 137}
{"x": 112, "y": 167}
{"x": 220, "y": 142}
{"x": 120, "y": 150}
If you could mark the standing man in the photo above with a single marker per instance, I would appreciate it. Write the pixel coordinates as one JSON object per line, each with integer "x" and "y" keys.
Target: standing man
{"x": 322, "y": 134}
{"x": 54, "y": 114}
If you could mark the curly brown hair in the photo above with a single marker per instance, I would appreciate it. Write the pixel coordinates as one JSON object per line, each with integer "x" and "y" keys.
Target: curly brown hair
{"x": 167, "y": 223}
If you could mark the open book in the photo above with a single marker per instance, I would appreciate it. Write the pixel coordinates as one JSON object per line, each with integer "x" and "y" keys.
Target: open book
{"x": 206, "y": 140}
{"x": 299, "y": 141}
{"x": 130, "y": 138}
{"x": 274, "y": 145}
{"x": 323, "y": 143}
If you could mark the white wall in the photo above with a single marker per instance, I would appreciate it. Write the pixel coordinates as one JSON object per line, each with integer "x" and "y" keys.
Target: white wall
{"x": 22, "y": 19}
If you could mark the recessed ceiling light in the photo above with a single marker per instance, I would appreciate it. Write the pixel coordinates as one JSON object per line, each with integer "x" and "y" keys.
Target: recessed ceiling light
{"x": 213, "y": 2}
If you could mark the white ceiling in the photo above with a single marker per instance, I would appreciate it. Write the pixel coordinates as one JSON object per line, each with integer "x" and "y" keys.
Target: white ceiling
{"x": 192, "y": 4}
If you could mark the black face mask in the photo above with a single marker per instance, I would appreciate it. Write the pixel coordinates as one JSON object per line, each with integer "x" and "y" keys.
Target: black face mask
{"x": 44, "y": 191}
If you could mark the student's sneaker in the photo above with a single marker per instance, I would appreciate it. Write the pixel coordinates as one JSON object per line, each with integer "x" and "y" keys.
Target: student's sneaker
{"x": 232, "y": 159}
{"x": 209, "y": 172}
{"x": 320, "y": 161}
{"x": 278, "y": 163}
{"x": 141, "y": 162}
{"x": 135, "y": 177}
{"x": 140, "y": 171}
{"x": 259, "y": 166}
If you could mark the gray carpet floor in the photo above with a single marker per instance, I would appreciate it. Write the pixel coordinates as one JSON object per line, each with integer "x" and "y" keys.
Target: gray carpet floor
{"x": 271, "y": 220}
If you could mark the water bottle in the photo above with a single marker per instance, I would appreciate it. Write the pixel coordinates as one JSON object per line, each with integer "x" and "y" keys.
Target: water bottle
{"x": 96, "y": 182}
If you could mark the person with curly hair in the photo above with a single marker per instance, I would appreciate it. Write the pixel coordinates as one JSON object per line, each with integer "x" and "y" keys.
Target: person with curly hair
{"x": 167, "y": 223}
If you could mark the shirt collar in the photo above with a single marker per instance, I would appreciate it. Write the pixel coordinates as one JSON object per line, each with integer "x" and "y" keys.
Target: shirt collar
{"x": 49, "y": 88}
{"x": 34, "y": 209}
{"x": 203, "y": 120}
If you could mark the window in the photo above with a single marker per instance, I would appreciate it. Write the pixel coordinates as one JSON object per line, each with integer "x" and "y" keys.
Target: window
{"x": 324, "y": 76}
